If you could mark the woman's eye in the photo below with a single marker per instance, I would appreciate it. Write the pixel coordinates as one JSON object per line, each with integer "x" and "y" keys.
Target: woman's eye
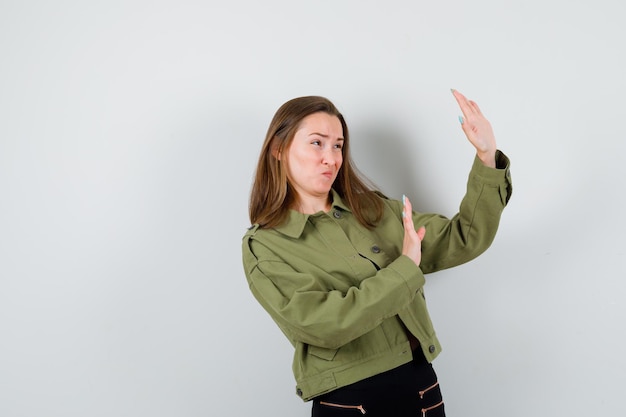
{"x": 316, "y": 142}
{"x": 339, "y": 145}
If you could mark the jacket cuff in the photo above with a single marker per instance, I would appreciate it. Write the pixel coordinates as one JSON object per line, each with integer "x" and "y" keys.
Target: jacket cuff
{"x": 411, "y": 273}
{"x": 500, "y": 176}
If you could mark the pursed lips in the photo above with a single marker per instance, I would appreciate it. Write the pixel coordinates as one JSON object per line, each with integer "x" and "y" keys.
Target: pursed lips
{"x": 328, "y": 174}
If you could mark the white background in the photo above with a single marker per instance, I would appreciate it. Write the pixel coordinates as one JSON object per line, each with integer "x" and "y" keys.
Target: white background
{"x": 129, "y": 133}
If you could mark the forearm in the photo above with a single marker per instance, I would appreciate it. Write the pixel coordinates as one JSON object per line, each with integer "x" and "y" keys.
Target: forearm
{"x": 451, "y": 242}
{"x": 332, "y": 318}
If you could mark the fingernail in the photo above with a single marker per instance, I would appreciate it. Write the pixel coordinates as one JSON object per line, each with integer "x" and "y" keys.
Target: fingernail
{"x": 403, "y": 214}
{"x": 461, "y": 119}
{"x": 403, "y": 199}
{"x": 452, "y": 90}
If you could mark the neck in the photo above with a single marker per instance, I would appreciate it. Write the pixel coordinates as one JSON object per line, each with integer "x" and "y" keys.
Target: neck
{"x": 313, "y": 205}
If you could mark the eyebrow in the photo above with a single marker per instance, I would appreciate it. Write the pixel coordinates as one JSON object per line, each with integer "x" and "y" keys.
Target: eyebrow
{"x": 322, "y": 135}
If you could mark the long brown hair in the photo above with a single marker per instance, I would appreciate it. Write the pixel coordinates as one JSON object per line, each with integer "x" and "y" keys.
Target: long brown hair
{"x": 272, "y": 195}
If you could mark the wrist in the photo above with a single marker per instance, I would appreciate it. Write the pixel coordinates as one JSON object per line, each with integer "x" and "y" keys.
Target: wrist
{"x": 487, "y": 158}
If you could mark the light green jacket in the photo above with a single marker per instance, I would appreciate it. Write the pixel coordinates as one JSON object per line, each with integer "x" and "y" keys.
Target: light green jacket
{"x": 343, "y": 294}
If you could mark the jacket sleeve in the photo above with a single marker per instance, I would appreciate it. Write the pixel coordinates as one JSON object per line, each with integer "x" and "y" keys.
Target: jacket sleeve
{"x": 307, "y": 313}
{"x": 451, "y": 242}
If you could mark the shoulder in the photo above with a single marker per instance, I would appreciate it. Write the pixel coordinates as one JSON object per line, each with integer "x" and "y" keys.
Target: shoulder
{"x": 256, "y": 247}
{"x": 391, "y": 204}
{"x": 253, "y": 234}
{"x": 262, "y": 242}
{"x": 251, "y": 231}
{"x": 256, "y": 233}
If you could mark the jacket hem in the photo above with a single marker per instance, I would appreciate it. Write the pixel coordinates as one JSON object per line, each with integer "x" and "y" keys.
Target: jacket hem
{"x": 312, "y": 387}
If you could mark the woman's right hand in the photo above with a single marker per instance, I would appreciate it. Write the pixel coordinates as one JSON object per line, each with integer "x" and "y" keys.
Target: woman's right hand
{"x": 412, "y": 244}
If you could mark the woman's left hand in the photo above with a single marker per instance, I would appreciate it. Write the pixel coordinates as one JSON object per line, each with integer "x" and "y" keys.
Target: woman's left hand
{"x": 477, "y": 129}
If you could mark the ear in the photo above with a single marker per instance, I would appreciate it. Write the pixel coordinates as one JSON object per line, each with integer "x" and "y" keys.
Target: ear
{"x": 276, "y": 153}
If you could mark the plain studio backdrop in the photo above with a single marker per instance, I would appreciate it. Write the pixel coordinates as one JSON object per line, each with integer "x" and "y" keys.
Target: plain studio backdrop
{"x": 129, "y": 134}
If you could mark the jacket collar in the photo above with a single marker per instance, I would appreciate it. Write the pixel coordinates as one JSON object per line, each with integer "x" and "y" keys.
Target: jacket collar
{"x": 295, "y": 222}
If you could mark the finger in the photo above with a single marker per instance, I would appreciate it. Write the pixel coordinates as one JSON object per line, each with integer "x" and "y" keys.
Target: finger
{"x": 421, "y": 232}
{"x": 407, "y": 213}
{"x": 464, "y": 103}
{"x": 475, "y": 107}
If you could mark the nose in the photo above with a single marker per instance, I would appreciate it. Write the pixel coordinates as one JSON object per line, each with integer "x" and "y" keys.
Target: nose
{"x": 329, "y": 158}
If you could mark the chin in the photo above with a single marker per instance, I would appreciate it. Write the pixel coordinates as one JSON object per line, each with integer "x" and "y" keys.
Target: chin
{"x": 322, "y": 192}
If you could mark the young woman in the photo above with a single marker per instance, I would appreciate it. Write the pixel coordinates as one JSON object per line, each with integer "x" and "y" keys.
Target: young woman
{"x": 340, "y": 267}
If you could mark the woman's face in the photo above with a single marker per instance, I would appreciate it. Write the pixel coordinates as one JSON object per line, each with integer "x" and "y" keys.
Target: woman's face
{"x": 315, "y": 155}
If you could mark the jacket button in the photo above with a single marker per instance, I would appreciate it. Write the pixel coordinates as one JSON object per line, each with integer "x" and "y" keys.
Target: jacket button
{"x": 432, "y": 348}
{"x": 337, "y": 214}
{"x": 375, "y": 249}
{"x": 299, "y": 392}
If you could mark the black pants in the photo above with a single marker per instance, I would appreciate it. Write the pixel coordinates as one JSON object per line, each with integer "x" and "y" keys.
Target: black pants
{"x": 407, "y": 391}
